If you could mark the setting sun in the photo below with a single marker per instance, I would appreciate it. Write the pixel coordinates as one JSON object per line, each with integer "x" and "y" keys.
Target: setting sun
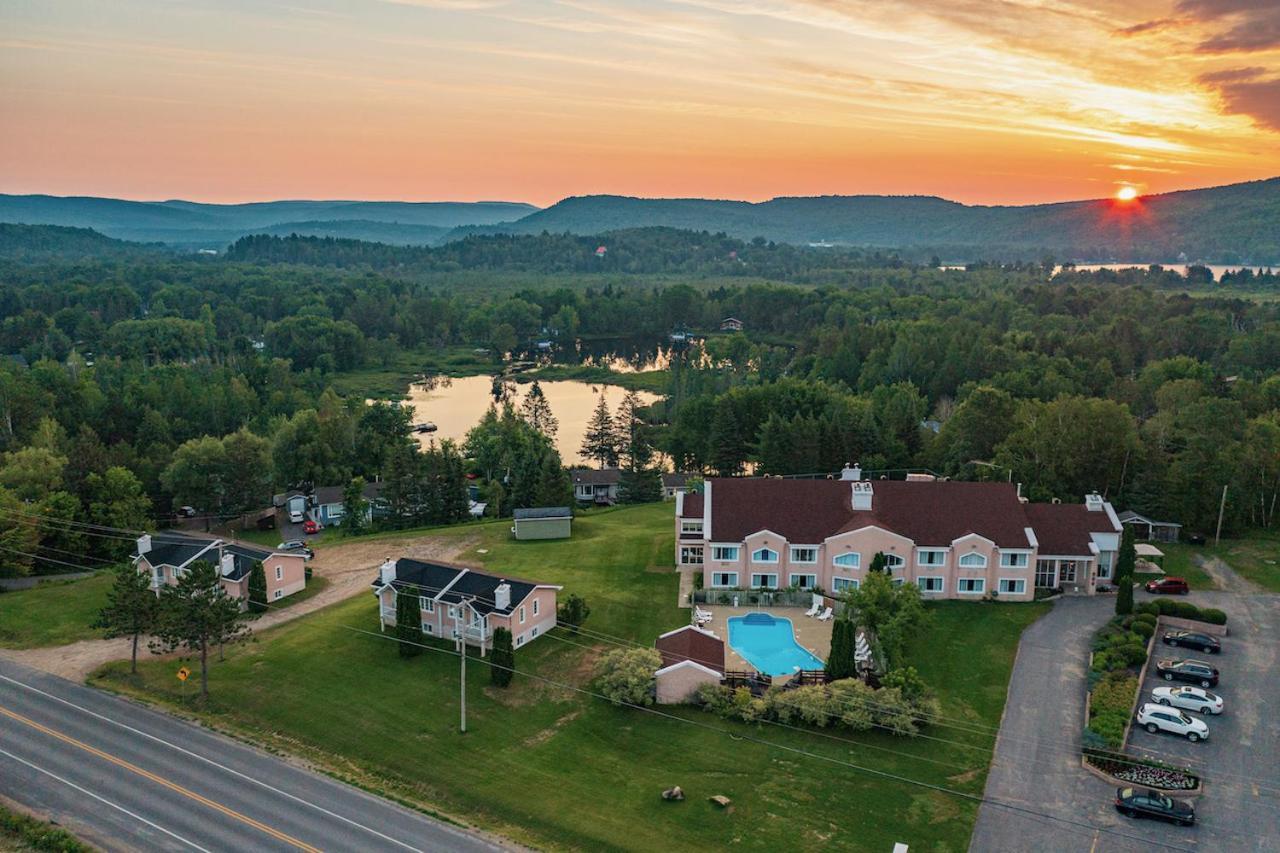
{"x": 1127, "y": 193}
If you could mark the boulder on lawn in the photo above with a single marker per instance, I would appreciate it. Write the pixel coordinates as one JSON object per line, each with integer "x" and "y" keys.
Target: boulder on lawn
{"x": 721, "y": 800}
{"x": 673, "y": 793}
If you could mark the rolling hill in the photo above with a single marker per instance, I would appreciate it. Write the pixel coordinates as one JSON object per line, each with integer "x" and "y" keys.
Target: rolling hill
{"x": 189, "y": 224}
{"x": 1235, "y": 223}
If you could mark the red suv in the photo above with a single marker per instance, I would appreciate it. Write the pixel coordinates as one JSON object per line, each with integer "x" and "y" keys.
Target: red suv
{"x": 1170, "y": 586}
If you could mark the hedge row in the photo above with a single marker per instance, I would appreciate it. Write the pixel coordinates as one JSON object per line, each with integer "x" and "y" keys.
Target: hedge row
{"x": 1182, "y": 610}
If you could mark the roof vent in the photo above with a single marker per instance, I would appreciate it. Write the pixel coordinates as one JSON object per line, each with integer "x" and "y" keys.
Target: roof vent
{"x": 502, "y": 596}
{"x": 1093, "y": 502}
{"x": 387, "y": 573}
{"x": 862, "y": 494}
{"x": 851, "y": 472}
{"x": 228, "y": 564}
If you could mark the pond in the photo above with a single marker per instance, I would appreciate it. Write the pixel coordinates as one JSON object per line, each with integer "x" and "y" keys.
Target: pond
{"x": 455, "y": 405}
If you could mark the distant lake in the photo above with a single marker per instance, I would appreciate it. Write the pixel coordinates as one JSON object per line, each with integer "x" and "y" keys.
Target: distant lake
{"x": 1180, "y": 268}
{"x": 455, "y": 405}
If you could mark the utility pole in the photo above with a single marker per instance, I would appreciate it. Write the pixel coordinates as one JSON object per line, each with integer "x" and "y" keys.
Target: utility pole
{"x": 1222, "y": 508}
{"x": 460, "y": 628}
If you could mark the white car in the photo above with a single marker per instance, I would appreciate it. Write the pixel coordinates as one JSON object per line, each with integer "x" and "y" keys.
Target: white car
{"x": 1189, "y": 699}
{"x": 1162, "y": 718}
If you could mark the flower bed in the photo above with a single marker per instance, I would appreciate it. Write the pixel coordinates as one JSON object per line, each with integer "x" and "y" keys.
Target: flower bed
{"x": 1139, "y": 771}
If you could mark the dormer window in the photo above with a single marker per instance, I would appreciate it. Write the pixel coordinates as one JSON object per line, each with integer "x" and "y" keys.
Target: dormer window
{"x": 764, "y": 555}
{"x": 973, "y": 560}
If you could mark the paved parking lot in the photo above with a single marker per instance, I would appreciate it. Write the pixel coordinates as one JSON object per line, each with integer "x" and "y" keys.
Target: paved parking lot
{"x": 1064, "y": 809}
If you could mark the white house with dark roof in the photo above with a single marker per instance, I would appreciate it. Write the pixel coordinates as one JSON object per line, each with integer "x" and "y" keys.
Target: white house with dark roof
{"x": 166, "y": 556}
{"x": 956, "y": 540}
{"x": 463, "y": 602}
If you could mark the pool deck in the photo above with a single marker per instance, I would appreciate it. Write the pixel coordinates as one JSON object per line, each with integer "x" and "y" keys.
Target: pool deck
{"x": 810, "y": 633}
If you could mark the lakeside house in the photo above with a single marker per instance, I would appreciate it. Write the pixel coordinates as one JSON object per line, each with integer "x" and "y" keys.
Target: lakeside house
{"x": 166, "y": 556}
{"x": 731, "y": 324}
{"x": 958, "y": 540}
{"x": 600, "y": 485}
{"x": 462, "y": 602}
{"x": 328, "y": 508}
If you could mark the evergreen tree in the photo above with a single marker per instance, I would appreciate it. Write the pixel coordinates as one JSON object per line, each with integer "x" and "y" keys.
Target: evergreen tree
{"x": 195, "y": 614}
{"x": 257, "y": 588}
{"x": 354, "y": 508}
{"x": 1125, "y": 562}
{"x": 879, "y": 563}
{"x": 554, "y": 487}
{"x": 132, "y": 606}
{"x": 728, "y": 448}
{"x": 536, "y": 411}
{"x": 601, "y": 441}
{"x": 573, "y": 612}
{"x": 841, "y": 662}
{"x": 408, "y": 623}
{"x": 502, "y": 658}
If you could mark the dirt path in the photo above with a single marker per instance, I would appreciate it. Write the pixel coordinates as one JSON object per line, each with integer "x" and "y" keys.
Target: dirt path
{"x": 349, "y": 568}
{"x": 1224, "y": 576}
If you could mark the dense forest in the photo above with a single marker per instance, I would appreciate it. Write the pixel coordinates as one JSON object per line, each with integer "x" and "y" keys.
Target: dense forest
{"x": 133, "y": 384}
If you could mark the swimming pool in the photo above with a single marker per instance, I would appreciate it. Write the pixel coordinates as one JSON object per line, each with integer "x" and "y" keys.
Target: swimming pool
{"x": 769, "y": 644}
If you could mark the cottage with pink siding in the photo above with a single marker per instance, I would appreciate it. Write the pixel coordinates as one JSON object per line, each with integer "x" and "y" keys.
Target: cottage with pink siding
{"x": 955, "y": 540}
{"x": 462, "y": 601}
{"x": 165, "y": 556}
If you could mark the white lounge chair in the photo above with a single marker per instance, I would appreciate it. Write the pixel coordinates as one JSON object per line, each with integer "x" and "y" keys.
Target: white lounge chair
{"x": 701, "y": 615}
{"x": 826, "y": 615}
{"x": 813, "y": 611}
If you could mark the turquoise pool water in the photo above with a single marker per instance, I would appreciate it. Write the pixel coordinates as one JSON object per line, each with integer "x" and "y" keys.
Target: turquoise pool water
{"x": 769, "y": 644}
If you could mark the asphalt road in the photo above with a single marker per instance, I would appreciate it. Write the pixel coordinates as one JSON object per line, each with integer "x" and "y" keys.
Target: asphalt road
{"x": 1064, "y": 809}
{"x": 124, "y": 777}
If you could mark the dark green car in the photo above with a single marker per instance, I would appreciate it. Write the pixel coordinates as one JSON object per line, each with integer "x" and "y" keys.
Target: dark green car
{"x": 1153, "y": 804}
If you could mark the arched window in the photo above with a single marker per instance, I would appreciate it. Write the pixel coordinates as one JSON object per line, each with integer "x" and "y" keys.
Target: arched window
{"x": 764, "y": 555}
{"x": 893, "y": 561}
{"x": 851, "y": 560}
{"x": 973, "y": 561}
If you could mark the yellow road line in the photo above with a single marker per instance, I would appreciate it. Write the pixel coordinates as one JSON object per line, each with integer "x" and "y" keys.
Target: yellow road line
{"x": 159, "y": 780}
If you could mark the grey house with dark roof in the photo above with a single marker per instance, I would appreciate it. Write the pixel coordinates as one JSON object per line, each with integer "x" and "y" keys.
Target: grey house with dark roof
{"x": 958, "y": 540}
{"x": 166, "y": 556}
{"x": 459, "y": 602}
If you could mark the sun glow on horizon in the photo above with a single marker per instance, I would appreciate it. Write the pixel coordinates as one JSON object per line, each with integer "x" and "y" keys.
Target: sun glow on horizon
{"x": 1127, "y": 193}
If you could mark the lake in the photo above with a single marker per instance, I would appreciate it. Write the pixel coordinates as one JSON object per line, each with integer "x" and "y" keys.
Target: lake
{"x": 455, "y": 405}
{"x": 1216, "y": 270}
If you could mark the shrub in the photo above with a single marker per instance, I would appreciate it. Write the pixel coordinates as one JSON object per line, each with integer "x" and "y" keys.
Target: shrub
{"x": 1130, "y": 654}
{"x": 625, "y": 676}
{"x": 716, "y": 699}
{"x": 1144, "y": 619}
{"x": 909, "y": 682}
{"x": 1213, "y": 616}
{"x": 1110, "y": 726}
{"x": 1147, "y": 608}
{"x": 854, "y": 700}
{"x": 1166, "y": 606}
{"x": 1144, "y": 630}
{"x": 573, "y": 612}
{"x": 502, "y": 658}
{"x": 1113, "y": 693}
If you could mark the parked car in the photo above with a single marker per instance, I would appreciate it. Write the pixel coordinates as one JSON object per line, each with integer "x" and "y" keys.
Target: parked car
{"x": 311, "y": 526}
{"x": 296, "y": 545}
{"x": 1194, "y": 671}
{"x": 1189, "y": 699}
{"x": 1168, "y": 586}
{"x": 187, "y": 511}
{"x": 1153, "y": 804}
{"x": 1161, "y": 718}
{"x": 1193, "y": 640}
{"x": 296, "y": 516}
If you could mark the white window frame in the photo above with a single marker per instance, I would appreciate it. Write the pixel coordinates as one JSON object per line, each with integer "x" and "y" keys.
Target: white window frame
{"x": 812, "y": 580}
{"x": 719, "y": 553}
{"x": 755, "y": 575}
{"x": 520, "y": 640}
{"x": 890, "y": 564}
{"x": 279, "y": 573}
{"x": 764, "y": 549}
{"x": 535, "y": 607}
{"x": 428, "y": 628}
{"x": 960, "y": 563}
{"x": 842, "y": 584}
{"x": 693, "y": 525}
{"x": 1015, "y": 581}
{"x": 730, "y": 585}
{"x": 1008, "y": 559}
{"x": 159, "y": 575}
{"x": 961, "y": 582}
{"x": 426, "y": 604}
{"x": 452, "y": 612}
{"x": 521, "y": 614}
{"x": 854, "y": 563}
{"x": 812, "y": 549}
{"x": 942, "y": 583}
{"x": 691, "y": 555}
{"x": 920, "y": 557}
{"x": 279, "y": 593}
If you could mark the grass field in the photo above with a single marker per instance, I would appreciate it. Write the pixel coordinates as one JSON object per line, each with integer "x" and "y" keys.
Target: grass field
{"x": 1179, "y": 561}
{"x": 553, "y": 767}
{"x": 1255, "y": 557}
{"x": 20, "y": 833}
{"x": 53, "y": 613}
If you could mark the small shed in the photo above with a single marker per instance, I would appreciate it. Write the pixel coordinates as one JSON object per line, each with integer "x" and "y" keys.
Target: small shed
{"x": 1148, "y": 529}
{"x": 543, "y": 522}
{"x": 691, "y": 656}
{"x": 731, "y": 324}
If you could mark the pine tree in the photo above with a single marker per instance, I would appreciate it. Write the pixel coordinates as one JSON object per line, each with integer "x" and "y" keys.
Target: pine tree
{"x": 196, "y": 614}
{"x": 573, "y": 612}
{"x": 131, "y": 610}
{"x": 728, "y": 449}
{"x": 554, "y": 487}
{"x": 879, "y": 563}
{"x": 1125, "y": 563}
{"x": 601, "y": 441}
{"x": 502, "y": 658}
{"x": 536, "y": 411}
{"x": 408, "y": 623}
{"x": 257, "y": 588}
{"x": 841, "y": 662}
{"x": 354, "y": 508}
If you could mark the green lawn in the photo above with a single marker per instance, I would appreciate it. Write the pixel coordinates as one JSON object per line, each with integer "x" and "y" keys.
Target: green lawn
{"x": 1179, "y": 561}
{"x": 1255, "y": 557}
{"x": 54, "y": 613}
{"x": 554, "y": 768}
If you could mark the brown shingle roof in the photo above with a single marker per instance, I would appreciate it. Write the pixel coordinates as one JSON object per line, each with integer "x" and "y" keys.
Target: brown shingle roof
{"x": 692, "y": 506}
{"x": 809, "y": 511}
{"x": 1063, "y": 529}
{"x": 596, "y": 476}
{"x": 690, "y": 643}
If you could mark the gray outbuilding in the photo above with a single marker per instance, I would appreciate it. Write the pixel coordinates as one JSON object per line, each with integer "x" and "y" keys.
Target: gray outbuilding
{"x": 543, "y": 522}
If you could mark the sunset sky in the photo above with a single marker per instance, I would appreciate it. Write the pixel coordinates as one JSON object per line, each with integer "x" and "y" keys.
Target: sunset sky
{"x": 982, "y": 101}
